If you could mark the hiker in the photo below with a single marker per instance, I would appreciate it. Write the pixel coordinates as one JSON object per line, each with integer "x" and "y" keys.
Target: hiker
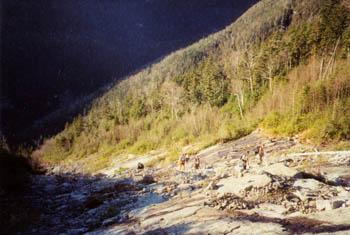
{"x": 261, "y": 154}
{"x": 244, "y": 165}
{"x": 197, "y": 163}
{"x": 140, "y": 166}
{"x": 187, "y": 158}
{"x": 181, "y": 162}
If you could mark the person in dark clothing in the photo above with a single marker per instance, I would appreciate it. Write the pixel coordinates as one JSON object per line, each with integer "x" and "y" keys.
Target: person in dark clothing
{"x": 140, "y": 166}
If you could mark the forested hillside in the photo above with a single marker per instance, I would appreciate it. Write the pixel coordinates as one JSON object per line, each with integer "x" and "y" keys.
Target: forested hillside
{"x": 56, "y": 55}
{"x": 284, "y": 66}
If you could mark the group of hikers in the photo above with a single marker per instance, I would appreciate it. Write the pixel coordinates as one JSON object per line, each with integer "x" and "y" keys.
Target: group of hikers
{"x": 185, "y": 158}
{"x": 244, "y": 164}
{"x": 244, "y": 160}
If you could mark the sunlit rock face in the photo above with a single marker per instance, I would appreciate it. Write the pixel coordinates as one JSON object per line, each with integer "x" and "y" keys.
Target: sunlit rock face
{"x": 52, "y": 50}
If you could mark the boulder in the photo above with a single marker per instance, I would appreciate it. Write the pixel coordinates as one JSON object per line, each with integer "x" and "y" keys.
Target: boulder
{"x": 238, "y": 186}
{"x": 147, "y": 179}
{"x": 281, "y": 170}
{"x": 337, "y": 203}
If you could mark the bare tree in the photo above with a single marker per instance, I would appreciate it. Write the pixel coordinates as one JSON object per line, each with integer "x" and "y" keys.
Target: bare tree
{"x": 237, "y": 85}
{"x": 249, "y": 63}
{"x": 173, "y": 97}
{"x": 270, "y": 66}
{"x": 330, "y": 66}
{"x": 237, "y": 88}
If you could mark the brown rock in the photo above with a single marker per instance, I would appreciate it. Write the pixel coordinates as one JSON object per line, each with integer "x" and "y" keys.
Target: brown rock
{"x": 147, "y": 179}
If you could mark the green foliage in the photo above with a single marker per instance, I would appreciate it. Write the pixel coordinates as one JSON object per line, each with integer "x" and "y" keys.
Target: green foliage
{"x": 341, "y": 146}
{"x": 333, "y": 22}
{"x": 272, "y": 120}
{"x": 321, "y": 109}
{"x": 179, "y": 133}
{"x": 138, "y": 108}
{"x": 286, "y": 124}
{"x": 300, "y": 43}
{"x": 142, "y": 146}
{"x": 205, "y": 84}
{"x": 326, "y": 129}
{"x": 222, "y": 87}
{"x": 78, "y": 125}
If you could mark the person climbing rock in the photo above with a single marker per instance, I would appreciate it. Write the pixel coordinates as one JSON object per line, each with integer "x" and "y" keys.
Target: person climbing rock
{"x": 197, "y": 162}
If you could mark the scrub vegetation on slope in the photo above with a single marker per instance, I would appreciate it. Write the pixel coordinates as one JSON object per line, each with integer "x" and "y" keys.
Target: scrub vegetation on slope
{"x": 283, "y": 65}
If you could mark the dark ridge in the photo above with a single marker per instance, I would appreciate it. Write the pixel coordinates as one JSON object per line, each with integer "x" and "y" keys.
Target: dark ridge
{"x": 15, "y": 172}
{"x": 56, "y": 52}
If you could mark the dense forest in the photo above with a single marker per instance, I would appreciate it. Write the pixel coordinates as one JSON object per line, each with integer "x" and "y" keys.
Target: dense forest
{"x": 286, "y": 71}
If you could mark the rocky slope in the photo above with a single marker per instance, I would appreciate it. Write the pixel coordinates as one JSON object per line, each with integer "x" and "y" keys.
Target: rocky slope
{"x": 285, "y": 195}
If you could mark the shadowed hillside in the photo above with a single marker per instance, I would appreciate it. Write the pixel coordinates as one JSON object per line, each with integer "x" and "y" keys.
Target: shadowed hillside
{"x": 55, "y": 52}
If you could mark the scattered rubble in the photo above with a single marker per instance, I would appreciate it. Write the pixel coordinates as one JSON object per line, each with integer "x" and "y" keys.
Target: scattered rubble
{"x": 283, "y": 196}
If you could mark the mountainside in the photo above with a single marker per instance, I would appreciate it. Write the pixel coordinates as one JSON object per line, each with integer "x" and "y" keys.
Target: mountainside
{"x": 56, "y": 52}
{"x": 262, "y": 105}
{"x": 285, "y": 71}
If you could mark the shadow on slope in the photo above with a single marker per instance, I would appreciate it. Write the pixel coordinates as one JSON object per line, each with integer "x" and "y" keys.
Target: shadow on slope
{"x": 295, "y": 225}
{"x": 73, "y": 203}
{"x": 59, "y": 51}
{"x": 179, "y": 229}
{"x": 15, "y": 172}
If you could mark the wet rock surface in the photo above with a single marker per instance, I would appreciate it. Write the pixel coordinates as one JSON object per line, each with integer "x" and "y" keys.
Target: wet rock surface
{"x": 281, "y": 196}
{"x": 73, "y": 204}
